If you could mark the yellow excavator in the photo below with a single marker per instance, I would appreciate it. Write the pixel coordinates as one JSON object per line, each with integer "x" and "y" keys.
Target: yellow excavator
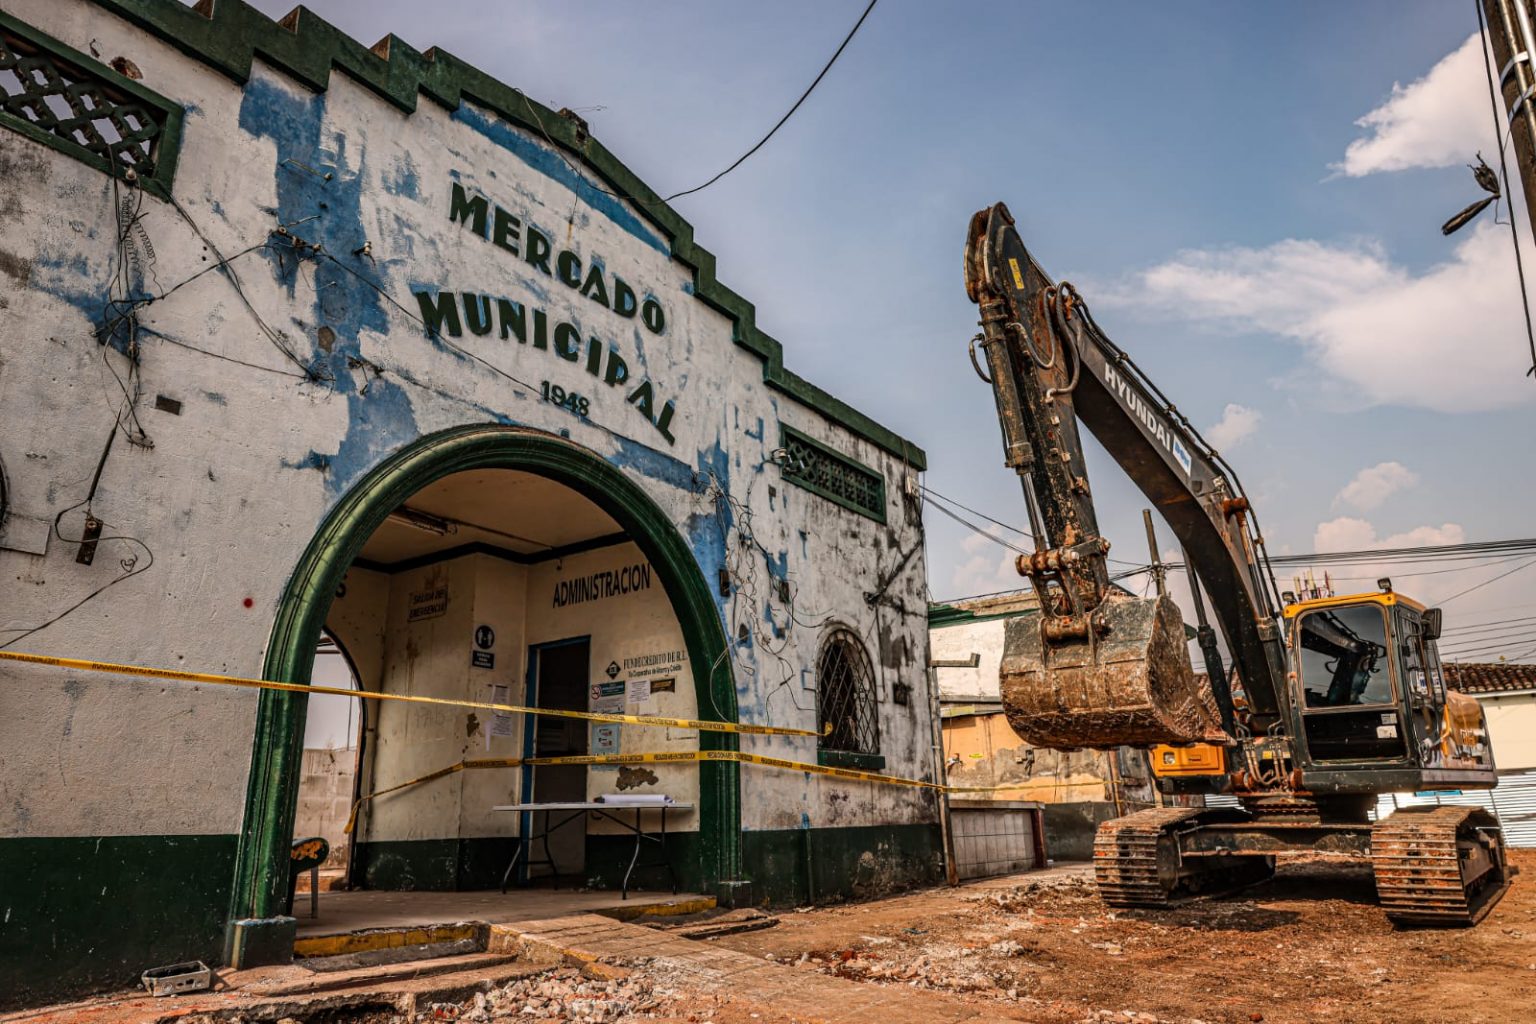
{"x": 1328, "y": 702}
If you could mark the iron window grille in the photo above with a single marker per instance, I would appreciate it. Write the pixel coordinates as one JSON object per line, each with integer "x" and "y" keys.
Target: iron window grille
{"x": 821, "y": 470}
{"x": 845, "y": 695}
{"x": 73, "y": 103}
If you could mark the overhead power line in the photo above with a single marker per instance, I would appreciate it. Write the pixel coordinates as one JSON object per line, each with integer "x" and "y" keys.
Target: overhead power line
{"x": 788, "y": 114}
{"x": 1492, "y": 624}
{"x": 995, "y": 522}
{"x": 1495, "y": 579}
{"x": 1411, "y": 554}
{"x": 1523, "y": 635}
{"x": 1471, "y": 552}
{"x": 972, "y": 526}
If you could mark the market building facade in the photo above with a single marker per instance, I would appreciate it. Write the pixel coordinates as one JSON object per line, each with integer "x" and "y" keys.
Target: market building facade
{"x": 310, "y": 342}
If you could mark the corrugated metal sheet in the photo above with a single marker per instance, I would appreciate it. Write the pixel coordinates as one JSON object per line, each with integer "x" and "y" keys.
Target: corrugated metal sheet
{"x": 998, "y": 840}
{"x": 1514, "y": 801}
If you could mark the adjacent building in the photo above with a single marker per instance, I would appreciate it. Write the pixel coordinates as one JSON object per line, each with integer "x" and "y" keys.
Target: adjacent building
{"x": 1507, "y": 693}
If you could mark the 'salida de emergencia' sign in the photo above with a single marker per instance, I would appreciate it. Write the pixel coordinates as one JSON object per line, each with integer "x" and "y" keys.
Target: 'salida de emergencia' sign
{"x": 453, "y": 313}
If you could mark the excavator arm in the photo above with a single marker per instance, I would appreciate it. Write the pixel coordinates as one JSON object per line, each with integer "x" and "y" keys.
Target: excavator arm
{"x": 1102, "y": 668}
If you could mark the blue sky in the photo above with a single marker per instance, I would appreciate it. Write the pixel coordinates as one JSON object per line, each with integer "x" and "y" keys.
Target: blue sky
{"x": 1188, "y": 166}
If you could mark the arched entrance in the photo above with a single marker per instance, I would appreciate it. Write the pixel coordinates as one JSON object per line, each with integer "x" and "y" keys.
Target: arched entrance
{"x": 258, "y": 933}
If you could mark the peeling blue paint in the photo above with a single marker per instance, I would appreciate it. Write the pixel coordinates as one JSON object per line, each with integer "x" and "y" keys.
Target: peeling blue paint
{"x": 72, "y": 279}
{"x": 554, "y": 166}
{"x": 640, "y": 352}
{"x": 403, "y": 180}
{"x": 314, "y": 460}
{"x": 380, "y": 416}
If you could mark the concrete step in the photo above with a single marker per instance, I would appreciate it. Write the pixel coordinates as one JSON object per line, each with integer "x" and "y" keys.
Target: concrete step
{"x": 337, "y": 978}
{"x": 373, "y": 939}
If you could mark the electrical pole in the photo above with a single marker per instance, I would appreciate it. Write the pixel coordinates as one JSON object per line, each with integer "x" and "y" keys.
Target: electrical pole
{"x": 1513, "y": 42}
{"x": 1159, "y": 570}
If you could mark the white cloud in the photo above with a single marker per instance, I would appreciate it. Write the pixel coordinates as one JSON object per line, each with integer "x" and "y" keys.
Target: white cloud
{"x": 1375, "y": 484}
{"x": 1348, "y": 533}
{"x": 1237, "y": 424}
{"x": 1451, "y": 338}
{"x": 1439, "y": 120}
{"x": 987, "y": 567}
{"x": 1472, "y": 593}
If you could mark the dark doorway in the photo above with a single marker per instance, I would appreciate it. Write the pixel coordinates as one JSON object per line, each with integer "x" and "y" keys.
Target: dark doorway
{"x": 557, "y": 679}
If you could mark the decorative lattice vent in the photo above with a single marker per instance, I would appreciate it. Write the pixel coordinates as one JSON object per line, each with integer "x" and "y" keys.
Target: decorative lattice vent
{"x": 64, "y": 99}
{"x": 817, "y": 468}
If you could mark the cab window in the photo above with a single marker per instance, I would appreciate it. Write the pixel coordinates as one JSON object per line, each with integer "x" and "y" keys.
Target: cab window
{"x": 1345, "y": 657}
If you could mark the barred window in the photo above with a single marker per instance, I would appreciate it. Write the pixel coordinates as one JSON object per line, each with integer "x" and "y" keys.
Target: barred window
{"x": 845, "y": 695}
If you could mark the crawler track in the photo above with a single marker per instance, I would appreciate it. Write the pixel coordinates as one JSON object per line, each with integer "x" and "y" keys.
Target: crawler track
{"x": 1439, "y": 865}
{"x": 1126, "y": 857}
{"x": 1136, "y": 859}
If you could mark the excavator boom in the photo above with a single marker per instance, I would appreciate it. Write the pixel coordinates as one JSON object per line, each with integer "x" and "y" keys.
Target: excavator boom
{"x": 1102, "y": 668}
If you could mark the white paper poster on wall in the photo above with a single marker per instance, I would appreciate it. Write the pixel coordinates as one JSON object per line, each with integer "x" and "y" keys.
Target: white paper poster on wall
{"x": 639, "y": 691}
{"x": 501, "y": 722}
{"x": 607, "y": 699}
{"x": 605, "y": 738}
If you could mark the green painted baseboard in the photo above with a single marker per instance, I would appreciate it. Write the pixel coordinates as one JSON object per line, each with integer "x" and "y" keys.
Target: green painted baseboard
{"x": 434, "y": 865}
{"x": 608, "y": 857}
{"x": 89, "y": 914}
{"x": 798, "y": 866}
{"x": 844, "y": 863}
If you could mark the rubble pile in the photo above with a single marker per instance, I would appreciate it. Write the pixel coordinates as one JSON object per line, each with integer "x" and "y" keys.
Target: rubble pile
{"x": 563, "y": 995}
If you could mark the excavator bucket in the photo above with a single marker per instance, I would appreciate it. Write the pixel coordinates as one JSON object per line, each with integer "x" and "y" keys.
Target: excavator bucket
{"x": 1131, "y": 686}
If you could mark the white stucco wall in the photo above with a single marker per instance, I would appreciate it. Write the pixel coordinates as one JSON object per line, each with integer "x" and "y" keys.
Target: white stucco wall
{"x": 1511, "y": 729}
{"x": 958, "y": 641}
{"x": 222, "y": 504}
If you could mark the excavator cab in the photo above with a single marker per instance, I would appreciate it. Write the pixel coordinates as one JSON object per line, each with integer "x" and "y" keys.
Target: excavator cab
{"x": 1369, "y": 687}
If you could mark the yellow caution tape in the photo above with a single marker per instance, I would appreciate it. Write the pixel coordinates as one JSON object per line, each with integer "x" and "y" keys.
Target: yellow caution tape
{"x": 667, "y": 757}
{"x": 267, "y": 684}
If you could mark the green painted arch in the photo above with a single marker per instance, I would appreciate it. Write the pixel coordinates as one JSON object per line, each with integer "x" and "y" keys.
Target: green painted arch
{"x": 261, "y": 868}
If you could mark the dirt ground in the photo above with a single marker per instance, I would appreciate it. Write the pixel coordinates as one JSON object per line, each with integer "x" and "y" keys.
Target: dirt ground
{"x": 1311, "y": 945}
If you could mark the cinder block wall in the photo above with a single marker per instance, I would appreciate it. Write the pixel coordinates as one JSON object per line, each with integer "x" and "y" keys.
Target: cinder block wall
{"x": 325, "y": 798}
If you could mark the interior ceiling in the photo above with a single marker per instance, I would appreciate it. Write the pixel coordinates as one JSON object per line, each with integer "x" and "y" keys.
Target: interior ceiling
{"x": 504, "y": 508}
